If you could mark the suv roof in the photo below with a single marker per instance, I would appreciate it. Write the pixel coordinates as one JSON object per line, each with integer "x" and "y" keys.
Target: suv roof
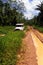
{"x": 19, "y": 24}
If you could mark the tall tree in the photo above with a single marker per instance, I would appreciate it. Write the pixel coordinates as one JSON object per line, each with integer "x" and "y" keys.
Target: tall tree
{"x": 40, "y": 16}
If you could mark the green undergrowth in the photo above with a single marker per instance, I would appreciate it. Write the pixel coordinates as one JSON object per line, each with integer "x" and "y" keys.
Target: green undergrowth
{"x": 6, "y": 29}
{"x": 38, "y": 28}
{"x": 10, "y": 45}
{"x": 26, "y": 28}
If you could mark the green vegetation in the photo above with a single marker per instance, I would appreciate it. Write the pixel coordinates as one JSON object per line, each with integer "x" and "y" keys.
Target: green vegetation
{"x": 10, "y": 45}
{"x": 10, "y": 15}
{"x": 40, "y": 15}
{"x": 38, "y": 28}
{"x": 6, "y": 29}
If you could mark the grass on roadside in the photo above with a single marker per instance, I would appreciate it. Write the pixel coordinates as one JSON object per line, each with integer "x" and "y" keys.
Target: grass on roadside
{"x": 38, "y": 28}
{"x": 6, "y": 29}
{"x": 10, "y": 45}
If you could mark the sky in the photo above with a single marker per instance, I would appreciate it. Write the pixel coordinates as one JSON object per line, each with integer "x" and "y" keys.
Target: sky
{"x": 30, "y": 6}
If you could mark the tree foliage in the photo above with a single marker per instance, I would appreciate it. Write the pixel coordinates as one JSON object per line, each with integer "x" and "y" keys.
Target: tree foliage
{"x": 40, "y": 16}
{"x": 10, "y": 13}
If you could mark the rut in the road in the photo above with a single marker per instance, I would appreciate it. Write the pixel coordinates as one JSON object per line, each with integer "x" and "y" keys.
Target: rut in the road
{"x": 29, "y": 56}
{"x": 38, "y": 34}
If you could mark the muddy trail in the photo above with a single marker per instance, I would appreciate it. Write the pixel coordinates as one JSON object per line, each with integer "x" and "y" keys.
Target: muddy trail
{"x": 29, "y": 56}
{"x": 33, "y": 45}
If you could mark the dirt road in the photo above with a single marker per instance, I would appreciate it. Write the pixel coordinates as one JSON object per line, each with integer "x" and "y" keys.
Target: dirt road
{"x": 39, "y": 48}
{"x": 33, "y": 54}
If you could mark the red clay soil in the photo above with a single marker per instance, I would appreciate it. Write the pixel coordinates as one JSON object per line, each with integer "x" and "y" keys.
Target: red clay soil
{"x": 29, "y": 56}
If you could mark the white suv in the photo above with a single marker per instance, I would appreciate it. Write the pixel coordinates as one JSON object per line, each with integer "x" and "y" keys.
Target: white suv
{"x": 19, "y": 26}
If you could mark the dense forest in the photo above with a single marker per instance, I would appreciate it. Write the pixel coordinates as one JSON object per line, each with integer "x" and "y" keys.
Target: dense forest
{"x": 10, "y": 13}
